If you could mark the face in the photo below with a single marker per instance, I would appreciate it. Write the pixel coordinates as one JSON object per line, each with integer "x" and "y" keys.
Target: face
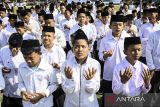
{"x": 81, "y": 49}
{"x": 134, "y": 52}
{"x": 12, "y": 21}
{"x": 26, "y": 18}
{"x": 33, "y": 59}
{"x": 14, "y": 50}
{"x": 49, "y": 22}
{"x": 20, "y": 30}
{"x": 105, "y": 19}
{"x": 67, "y": 14}
{"x": 48, "y": 38}
{"x": 2, "y": 14}
{"x": 40, "y": 18}
{"x": 117, "y": 27}
{"x": 129, "y": 22}
{"x": 152, "y": 17}
{"x": 62, "y": 8}
{"x": 126, "y": 7}
{"x": 82, "y": 18}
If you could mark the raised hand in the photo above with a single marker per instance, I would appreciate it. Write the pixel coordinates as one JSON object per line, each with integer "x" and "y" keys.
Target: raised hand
{"x": 146, "y": 75}
{"x": 89, "y": 74}
{"x": 107, "y": 54}
{"x": 68, "y": 72}
{"x": 126, "y": 75}
{"x": 55, "y": 65}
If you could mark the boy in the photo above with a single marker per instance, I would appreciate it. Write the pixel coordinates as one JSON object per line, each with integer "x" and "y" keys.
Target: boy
{"x": 37, "y": 79}
{"x": 131, "y": 77}
{"x": 81, "y": 75}
{"x": 55, "y": 56}
{"x": 10, "y": 58}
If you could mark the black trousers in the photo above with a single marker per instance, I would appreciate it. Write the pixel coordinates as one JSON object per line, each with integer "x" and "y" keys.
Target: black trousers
{"x": 11, "y": 102}
{"x": 106, "y": 88}
{"x": 58, "y": 97}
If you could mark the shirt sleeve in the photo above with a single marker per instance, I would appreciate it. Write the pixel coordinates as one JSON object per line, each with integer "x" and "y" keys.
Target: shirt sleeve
{"x": 61, "y": 41}
{"x": 2, "y": 84}
{"x": 21, "y": 85}
{"x": 101, "y": 50}
{"x": 53, "y": 83}
{"x": 149, "y": 49}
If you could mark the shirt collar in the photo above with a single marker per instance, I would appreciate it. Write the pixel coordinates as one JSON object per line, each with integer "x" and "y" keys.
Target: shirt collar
{"x": 129, "y": 65}
{"x": 44, "y": 49}
{"x": 86, "y": 61}
{"x": 41, "y": 66}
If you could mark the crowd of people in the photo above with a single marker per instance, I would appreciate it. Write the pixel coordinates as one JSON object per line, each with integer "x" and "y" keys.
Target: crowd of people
{"x": 63, "y": 54}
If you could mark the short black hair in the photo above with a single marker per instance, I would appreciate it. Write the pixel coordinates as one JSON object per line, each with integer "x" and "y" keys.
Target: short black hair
{"x": 30, "y": 46}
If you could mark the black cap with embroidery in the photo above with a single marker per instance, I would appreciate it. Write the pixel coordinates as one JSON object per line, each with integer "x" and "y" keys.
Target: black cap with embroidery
{"x": 12, "y": 16}
{"x": 19, "y": 24}
{"x": 48, "y": 16}
{"x": 117, "y": 18}
{"x": 48, "y": 29}
{"x": 15, "y": 40}
{"x": 131, "y": 41}
{"x": 30, "y": 43}
{"x": 79, "y": 34}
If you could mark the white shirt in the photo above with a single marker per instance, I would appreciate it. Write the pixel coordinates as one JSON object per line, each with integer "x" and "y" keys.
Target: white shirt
{"x": 152, "y": 51}
{"x": 87, "y": 30}
{"x": 55, "y": 55}
{"x": 38, "y": 80}
{"x": 5, "y": 20}
{"x": 69, "y": 23}
{"x": 127, "y": 12}
{"x": 102, "y": 32}
{"x": 59, "y": 18}
{"x": 135, "y": 85}
{"x": 144, "y": 32}
{"x": 8, "y": 30}
{"x": 60, "y": 38}
{"x": 79, "y": 91}
{"x": 108, "y": 43}
{"x": 3, "y": 39}
{"x": 11, "y": 79}
{"x": 134, "y": 28}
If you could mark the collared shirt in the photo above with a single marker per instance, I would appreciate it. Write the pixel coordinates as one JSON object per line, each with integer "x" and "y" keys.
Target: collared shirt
{"x": 5, "y": 20}
{"x": 71, "y": 22}
{"x": 59, "y": 18}
{"x": 41, "y": 79}
{"x": 108, "y": 43}
{"x": 3, "y": 39}
{"x": 135, "y": 85}
{"x": 153, "y": 51}
{"x": 60, "y": 38}
{"x": 102, "y": 32}
{"x": 8, "y": 31}
{"x": 11, "y": 79}
{"x": 79, "y": 91}
{"x": 87, "y": 30}
{"x": 55, "y": 55}
{"x": 144, "y": 32}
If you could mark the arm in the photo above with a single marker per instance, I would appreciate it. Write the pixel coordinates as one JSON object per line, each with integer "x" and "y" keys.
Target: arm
{"x": 149, "y": 52}
{"x": 52, "y": 86}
